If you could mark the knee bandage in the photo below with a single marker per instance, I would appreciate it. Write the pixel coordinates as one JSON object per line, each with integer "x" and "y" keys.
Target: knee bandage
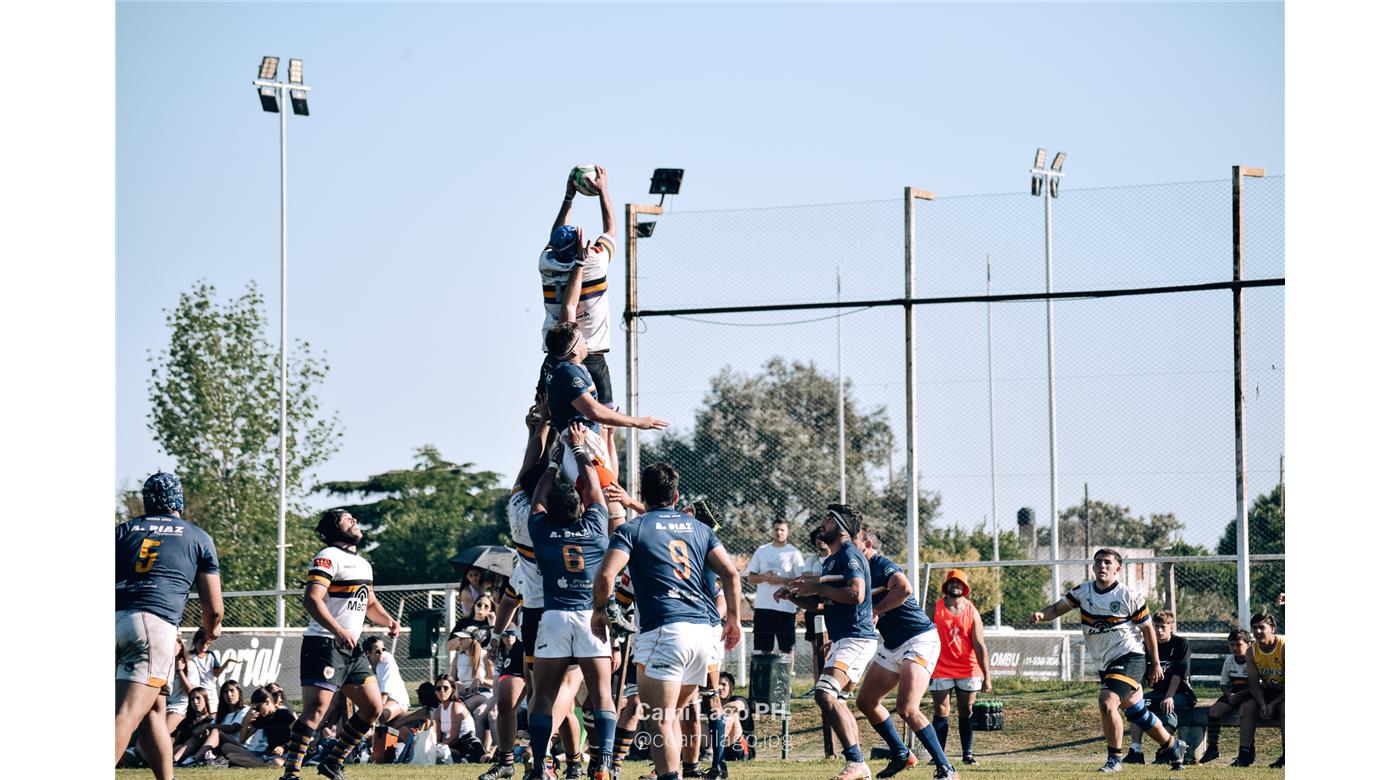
{"x": 1140, "y": 715}
{"x": 828, "y": 684}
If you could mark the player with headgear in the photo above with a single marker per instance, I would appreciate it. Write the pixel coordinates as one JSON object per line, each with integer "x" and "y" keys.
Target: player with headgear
{"x": 339, "y": 595}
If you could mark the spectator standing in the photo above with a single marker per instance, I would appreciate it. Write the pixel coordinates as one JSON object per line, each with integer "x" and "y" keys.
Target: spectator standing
{"x": 962, "y": 662}
{"x": 1173, "y": 693}
{"x": 205, "y": 664}
{"x": 159, "y": 557}
{"x": 773, "y": 566}
{"x": 1265, "y": 667}
{"x": 815, "y": 630}
{"x": 1234, "y": 690}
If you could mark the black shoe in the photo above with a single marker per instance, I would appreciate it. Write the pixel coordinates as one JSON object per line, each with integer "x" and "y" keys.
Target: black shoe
{"x": 945, "y": 772}
{"x": 573, "y": 772}
{"x": 719, "y": 772}
{"x": 1212, "y": 753}
{"x": 898, "y": 764}
{"x": 969, "y": 760}
{"x": 332, "y": 770}
{"x": 693, "y": 773}
{"x": 1134, "y": 757}
{"x": 1277, "y": 764}
{"x": 498, "y": 771}
{"x": 1245, "y": 758}
{"x": 1175, "y": 755}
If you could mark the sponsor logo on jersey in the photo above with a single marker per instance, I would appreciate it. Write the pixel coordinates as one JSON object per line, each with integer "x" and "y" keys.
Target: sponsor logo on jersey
{"x": 321, "y": 563}
{"x": 579, "y": 383}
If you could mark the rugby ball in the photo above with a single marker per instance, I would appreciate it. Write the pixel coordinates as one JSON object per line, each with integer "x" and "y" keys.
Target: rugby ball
{"x": 583, "y": 176}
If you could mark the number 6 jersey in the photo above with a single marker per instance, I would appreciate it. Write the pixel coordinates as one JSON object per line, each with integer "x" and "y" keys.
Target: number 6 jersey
{"x": 569, "y": 556}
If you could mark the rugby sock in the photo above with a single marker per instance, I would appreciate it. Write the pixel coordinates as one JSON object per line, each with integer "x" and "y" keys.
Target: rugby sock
{"x": 541, "y": 728}
{"x": 851, "y": 753}
{"x": 886, "y": 730}
{"x": 929, "y": 738}
{"x": 622, "y": 744}
{"x": 716, "y": 740}
{"x": 940, "y": 726}
{"x": 297, "y": 745}
{"x": 351, "y": 732}
{"x": 605, "y": 726}
{"x": 1213, "y": 733}
{"x": 965, "y": 734}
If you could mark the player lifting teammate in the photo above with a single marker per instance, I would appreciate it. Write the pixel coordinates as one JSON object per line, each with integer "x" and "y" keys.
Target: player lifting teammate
{"x": 844, "y": 590}
{"x": 667, "y": 553}
{"x": 339, "y": 596}
{"x": 906, "y": 656}
{"x": 1112, "y": 618}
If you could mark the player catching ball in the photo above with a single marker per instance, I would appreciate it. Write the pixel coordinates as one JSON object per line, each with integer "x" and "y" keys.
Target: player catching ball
{"x": 1113, "y": 619}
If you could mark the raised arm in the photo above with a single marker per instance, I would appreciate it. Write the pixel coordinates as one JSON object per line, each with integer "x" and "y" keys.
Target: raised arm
{"x": 563, "y": 217}
{"x": 539, "y": 498}
{"x": 540, "y": 432}
{"x": 604, "y": 202}
{"x": 593, "y": 494}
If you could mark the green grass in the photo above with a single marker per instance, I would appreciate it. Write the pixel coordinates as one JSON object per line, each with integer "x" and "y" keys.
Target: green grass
{"x": 1052, "y": 730}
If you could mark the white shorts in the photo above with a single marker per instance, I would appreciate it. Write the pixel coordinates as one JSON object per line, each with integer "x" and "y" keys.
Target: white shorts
{"x": 676, "y": 652}
{"x": 852, "y": 655}
{"x": 596, "y": 448}
{"x": 717, "y": 649}
{"x": 968, "y": 684}
{"x": 922, "y": 649}
{"x": 145, "y": 648}
{"x": 565, "y": 633}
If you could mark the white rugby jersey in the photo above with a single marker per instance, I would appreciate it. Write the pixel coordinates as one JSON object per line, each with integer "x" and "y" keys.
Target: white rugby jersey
{"x": 1111, "y": 620}
{"x": 1233, "y": 675}
{"x": 348, "y": 579}
{"x": 526, "y": 578}
{"x": 592, "y": 311}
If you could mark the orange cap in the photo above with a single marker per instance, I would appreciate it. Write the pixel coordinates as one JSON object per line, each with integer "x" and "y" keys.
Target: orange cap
{"x": 960, "y": 576}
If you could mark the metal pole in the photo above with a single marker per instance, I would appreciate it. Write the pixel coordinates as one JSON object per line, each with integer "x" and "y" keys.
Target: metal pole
{"x": 1050, "y": 364}
{"x": 633, "y": 470}
{"x": 840, "y": 398}
{"x": 992, "y": 437}
{"x": 1237, "y": 175}
{"x": 911, "y": 459}
{"x": 282, "y": 429}
{"x": 1088, "y": 572}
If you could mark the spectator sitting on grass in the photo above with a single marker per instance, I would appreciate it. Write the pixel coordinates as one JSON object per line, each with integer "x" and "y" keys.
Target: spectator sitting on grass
{"x": 190, "y": 733}
{"x": 264, "y": 733}
{"x": 184, "y": 680}
{"x": 454, "y": 724}
{"x": 1234, "y": 690}
{"x": 738, "y": 725}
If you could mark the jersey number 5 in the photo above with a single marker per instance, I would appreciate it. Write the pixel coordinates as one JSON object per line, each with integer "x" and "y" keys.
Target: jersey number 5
{"x": 677, "y": 547}
{"x": 146, "y": 556}
{"x": 573, "y": 558}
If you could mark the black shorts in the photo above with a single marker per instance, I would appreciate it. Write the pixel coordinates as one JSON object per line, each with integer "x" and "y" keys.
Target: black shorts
{"x": 771, "y": 623}
{"x": 325, "y": 664}
{"x": 597, "y": 366}
{"x": 1124, "y": 674}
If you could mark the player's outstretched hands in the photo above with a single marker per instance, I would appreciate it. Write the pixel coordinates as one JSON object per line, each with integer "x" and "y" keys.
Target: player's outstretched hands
{"x": 652, "y": 423}
{"x": 599, "y": 624}
{"x": 600, "y": 177}
{"x": 569, "y": 187}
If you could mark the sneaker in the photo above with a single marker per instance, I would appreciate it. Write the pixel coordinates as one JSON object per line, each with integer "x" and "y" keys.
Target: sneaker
{"x": 1212, "y": 753}
{"x": 332, "y": 770}
{"x": 1176, "y": 755}
{"x": 498, "y": 771}
{"x": 855, "y": 770}
{"x": 1134, "y": 757}
{"x": 1113, "y": 764}
{"x": 1277, "y": 764}
{"x": 898, "y": 764}
{"x": 969, "y": 760}
{"x": 945, "y": 772}
{"x": 1245, "y": 758}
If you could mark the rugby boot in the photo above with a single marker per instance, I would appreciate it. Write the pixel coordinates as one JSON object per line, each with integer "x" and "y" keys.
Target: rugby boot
{"x": 1113, "y": 764}
{"x": 331, "y": 770}
{"x": 1212, "y": 753}
{"x": 1245, "y": 758}
{"x": 1134, "y": 757}
{"x": 1277, "y": 764}
{"x": 898, "y": 764}
{"x": 969, "y": 759}
{"x": 855, "y": 770}
{"x": 945, "y": 772}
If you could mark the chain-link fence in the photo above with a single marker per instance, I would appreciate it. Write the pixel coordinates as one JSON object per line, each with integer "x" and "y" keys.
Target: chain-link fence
{"x": 1143, "y": 384}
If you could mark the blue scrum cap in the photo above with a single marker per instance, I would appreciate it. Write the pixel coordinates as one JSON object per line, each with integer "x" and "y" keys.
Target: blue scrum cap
{"x": 162, "y": 493}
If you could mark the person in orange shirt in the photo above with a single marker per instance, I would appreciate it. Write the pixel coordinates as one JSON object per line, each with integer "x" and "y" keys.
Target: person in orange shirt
{"x": 962, "y": 663}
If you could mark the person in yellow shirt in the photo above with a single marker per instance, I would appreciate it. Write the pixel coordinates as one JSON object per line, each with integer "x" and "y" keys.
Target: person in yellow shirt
{"x": 1264, "y": 664}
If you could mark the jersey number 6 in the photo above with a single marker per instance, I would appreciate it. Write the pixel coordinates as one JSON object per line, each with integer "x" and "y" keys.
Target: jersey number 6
{"x": 677, "y": 547}
{"x": 573, "y": 558}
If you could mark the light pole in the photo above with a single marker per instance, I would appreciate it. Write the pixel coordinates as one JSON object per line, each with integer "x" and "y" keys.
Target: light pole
{"x": 1046, "y": 184}
{"x": 273, "y": 94}
{"x": 992, "y": 436}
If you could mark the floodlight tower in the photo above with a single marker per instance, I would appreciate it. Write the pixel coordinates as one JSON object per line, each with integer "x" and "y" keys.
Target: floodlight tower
{"x": 273, "y": 93}
{"x": 1046, "y": 185}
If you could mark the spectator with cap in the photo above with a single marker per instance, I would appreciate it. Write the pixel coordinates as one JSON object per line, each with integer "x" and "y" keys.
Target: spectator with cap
{"x": 962, "y": 660}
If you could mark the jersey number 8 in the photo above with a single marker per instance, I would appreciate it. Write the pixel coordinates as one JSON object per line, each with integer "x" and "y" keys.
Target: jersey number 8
{"x": 573, "y": 558}
{"x": 677, "y": 547}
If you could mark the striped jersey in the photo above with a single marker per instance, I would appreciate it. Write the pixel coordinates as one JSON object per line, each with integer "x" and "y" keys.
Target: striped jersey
{"x": 348, "y": 579}
{"x": 905, "y": 621}
{"x": 1233, "y": 675}
{"x": 525, "y": 580}
{"x": 1112, "y": 620}
{"x": 1269, "y": 663}
{"x": 592, "y": 311}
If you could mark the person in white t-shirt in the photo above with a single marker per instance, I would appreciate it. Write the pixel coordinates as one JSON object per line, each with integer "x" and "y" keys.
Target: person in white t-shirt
{"x": 773, "y": 566}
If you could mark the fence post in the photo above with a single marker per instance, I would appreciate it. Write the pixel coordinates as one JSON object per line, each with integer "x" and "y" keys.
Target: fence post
{"x": 911, "y": 460}
{"x": 1237, "y": 175}
{"x": 629, "y": 320}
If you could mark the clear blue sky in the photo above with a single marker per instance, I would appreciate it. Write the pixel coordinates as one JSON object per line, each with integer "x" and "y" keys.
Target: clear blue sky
{"x": 423, "y": 184}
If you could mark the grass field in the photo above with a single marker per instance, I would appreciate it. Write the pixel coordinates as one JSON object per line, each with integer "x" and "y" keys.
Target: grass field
{"x": 1052, "y": 730}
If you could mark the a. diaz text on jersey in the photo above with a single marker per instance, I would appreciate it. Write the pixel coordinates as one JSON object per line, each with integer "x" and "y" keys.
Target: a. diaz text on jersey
{"x": 667, "y": 552}
{"x": 568, "y": 557}
{"x": 348, "y": 579}
{"x": 1110, "y": 619}
{"x": 158, "y": 557}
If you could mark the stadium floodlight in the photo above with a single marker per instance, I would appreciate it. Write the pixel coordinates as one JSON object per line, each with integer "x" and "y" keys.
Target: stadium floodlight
{"x": 299, "y": 104}
{"x": 268, "y": 71}
{"x": 645, "y": 229}
{"x": 294, "y": 71}
{"x": 1035, "y": 186}
{"x": 1040, "y": 159}
{"x": 666, "y": 181}
{"x": 1055, "y": 166}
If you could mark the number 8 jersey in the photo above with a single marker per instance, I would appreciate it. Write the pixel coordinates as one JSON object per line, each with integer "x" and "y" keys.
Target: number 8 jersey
{"x": 569, "y": 556}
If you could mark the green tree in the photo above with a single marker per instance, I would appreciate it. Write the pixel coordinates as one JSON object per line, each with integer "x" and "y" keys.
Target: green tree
{"x": 1266, "y": 532}
{"x": 214, "y": 409}
{"x": 1113, "y": 525}
{"x": 764, "y": 446}
{"x": 421, "y": 517}
{"x": 1020, "y": 590}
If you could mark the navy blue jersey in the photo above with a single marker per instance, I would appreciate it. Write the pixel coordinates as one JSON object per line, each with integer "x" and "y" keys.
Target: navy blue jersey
{"x": 158, "y": 557}
{"x": 569, "y": 557}
{"x": 905, "y": 621}
{"x": 713, "y": 587}
{"x": 667, "y": 552}
{"x": 848, "y": 620}
{"x": 569, "y": 381}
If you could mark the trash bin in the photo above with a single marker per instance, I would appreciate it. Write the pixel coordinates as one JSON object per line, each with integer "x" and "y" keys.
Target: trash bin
{"x": 770, "y": 681}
